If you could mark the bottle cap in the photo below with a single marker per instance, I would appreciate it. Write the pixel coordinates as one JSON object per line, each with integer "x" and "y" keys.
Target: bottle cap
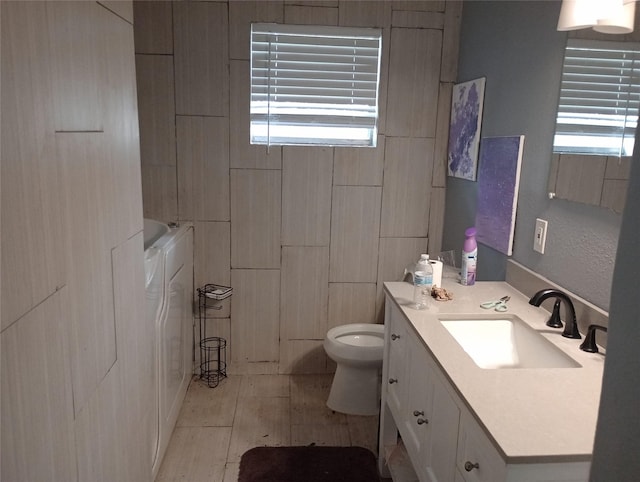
{"x": 470, "y": 232}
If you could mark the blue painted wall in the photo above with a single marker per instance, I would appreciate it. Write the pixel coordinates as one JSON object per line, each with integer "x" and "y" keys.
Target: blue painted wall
{"x": 515, "y": 45}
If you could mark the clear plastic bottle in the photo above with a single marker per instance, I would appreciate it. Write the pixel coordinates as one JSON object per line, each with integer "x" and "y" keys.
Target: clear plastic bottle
{"x": 422, "y": 282}
{"x": 469, "y": 258}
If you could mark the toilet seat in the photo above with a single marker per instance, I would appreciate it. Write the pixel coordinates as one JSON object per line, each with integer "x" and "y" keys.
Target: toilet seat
{"x": 360, "y": 339}
{"x": 356, "y": 343}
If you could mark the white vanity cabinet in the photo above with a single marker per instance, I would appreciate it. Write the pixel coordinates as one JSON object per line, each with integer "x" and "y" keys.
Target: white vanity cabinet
{"x": 426, "y": 425}
{"x": 417, "y": 404}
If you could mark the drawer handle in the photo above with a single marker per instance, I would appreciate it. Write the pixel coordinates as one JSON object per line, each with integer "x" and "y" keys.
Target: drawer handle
{"x": 468, "y": 466}
{"x": 392, "y": 381}
{"x": 417, "y": 413}
{"x": 422, "y": 421}
{"x": 394, "y": 336}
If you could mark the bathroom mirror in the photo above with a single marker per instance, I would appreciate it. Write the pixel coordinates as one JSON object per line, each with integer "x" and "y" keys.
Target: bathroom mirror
{"x": 596, "y": 120}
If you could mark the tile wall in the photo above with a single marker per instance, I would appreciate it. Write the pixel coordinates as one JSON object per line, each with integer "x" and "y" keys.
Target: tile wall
{"x": 304, "y": 235}
{"x": 76, "y": 354}
{"x": 596, "y": 180}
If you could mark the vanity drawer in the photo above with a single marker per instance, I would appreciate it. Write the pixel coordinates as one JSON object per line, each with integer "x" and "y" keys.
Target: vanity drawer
{"x": 398, "y": 378}
{"x": 477, "y": 459}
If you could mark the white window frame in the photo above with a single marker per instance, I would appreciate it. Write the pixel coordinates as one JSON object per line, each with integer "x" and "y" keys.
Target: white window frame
{"x": 314, "y": 85}
{"x": 599, "y": 98}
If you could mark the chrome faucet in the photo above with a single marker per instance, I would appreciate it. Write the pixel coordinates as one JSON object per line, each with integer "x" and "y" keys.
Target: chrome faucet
{"x": 570, "y": 326}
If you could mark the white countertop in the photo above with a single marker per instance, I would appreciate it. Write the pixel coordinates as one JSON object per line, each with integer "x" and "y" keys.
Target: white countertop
{"x": 532, "y": 415}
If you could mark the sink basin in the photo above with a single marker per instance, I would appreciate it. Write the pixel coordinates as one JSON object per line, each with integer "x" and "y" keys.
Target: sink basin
{"x": 506, "y": 343}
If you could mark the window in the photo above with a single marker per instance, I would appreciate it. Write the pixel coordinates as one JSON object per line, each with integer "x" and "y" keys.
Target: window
{"x": 314, "y": 85}
{"x": 599, "y": 98}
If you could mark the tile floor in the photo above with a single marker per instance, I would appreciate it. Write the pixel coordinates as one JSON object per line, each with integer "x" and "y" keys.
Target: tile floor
{"x": 217, "y": 425}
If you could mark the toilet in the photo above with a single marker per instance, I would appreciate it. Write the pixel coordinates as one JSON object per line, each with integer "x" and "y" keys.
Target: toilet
{"x": 357, "y": 349}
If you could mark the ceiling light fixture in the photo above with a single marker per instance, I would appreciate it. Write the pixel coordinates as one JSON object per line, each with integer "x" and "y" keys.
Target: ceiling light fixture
{"x": 604, "y": 16}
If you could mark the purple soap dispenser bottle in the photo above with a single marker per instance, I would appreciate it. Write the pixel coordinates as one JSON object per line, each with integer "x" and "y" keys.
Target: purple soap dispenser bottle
{"x": 469, "y": 257}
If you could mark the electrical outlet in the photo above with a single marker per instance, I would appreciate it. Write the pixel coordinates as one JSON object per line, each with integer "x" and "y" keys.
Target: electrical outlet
{"x": 540, "y": 236}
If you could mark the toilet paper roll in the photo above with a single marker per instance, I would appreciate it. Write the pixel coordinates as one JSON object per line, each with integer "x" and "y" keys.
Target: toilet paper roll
{"x": 437, "y": 273}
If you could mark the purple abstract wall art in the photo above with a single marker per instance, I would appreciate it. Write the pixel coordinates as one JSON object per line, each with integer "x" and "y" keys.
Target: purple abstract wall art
{"x": 464, "y": 128}
{"x": 498, "y": 183}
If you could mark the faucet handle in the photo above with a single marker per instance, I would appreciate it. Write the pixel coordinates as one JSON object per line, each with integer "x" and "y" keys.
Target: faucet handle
{"x": 589, "y": 343}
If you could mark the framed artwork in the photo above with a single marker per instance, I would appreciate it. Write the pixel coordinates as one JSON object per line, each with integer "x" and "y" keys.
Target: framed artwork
{"x": 464, "y": 129}
{"x": 498, "y": 182}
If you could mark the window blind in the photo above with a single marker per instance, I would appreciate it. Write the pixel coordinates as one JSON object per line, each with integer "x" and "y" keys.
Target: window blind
{"x": 314, "y": 85}
{"x": 599, "y": 98}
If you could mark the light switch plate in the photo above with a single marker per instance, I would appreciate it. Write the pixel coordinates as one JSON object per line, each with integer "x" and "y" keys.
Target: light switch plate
{"x": 540, "y": 235}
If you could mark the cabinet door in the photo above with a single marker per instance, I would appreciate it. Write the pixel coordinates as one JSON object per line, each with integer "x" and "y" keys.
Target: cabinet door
{"x": 439, "y": 449}
{"x": 439, "y": 428}
{"x": 430, "y": 419}
{"x": 417, "y": 412}
{"x": 477, "y": 460}
{"x": 397, "y": 377}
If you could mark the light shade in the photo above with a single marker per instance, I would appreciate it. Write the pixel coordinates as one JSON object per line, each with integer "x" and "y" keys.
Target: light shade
{"x": 577, "y": 14}
{"x": 620, "y": 20}
{"x": 605, "y": 16}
